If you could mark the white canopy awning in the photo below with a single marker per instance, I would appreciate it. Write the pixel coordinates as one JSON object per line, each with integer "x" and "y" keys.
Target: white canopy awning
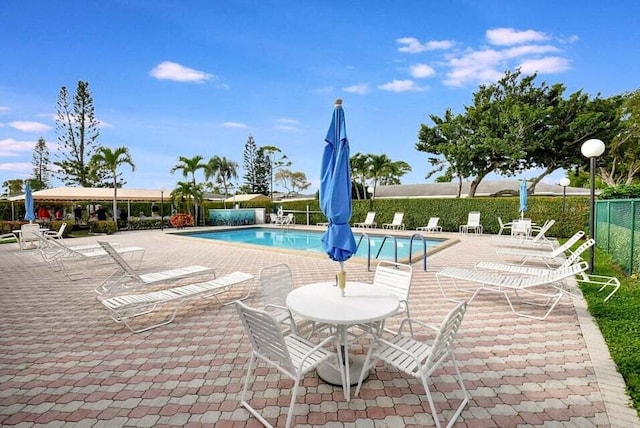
{"x": 93, "y": 194}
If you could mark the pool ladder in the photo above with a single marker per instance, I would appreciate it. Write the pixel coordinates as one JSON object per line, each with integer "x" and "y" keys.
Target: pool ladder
{"x": 417, "y": 236}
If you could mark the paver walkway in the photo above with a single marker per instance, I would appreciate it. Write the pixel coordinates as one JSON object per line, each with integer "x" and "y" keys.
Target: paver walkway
{"x": 64, "y": 362}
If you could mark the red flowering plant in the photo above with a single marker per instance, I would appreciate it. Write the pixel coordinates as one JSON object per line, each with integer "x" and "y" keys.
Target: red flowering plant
{"x": 181, "y": 220}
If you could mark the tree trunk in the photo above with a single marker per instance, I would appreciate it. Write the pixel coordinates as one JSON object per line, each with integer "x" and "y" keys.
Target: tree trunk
{"x": 535, "y": 181}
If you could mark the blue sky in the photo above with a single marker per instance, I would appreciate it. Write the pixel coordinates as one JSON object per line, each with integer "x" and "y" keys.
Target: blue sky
{"x": 185, "y": 78}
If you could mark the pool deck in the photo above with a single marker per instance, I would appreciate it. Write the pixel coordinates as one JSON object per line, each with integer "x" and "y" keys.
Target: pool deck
{"x": 64, "y": 362}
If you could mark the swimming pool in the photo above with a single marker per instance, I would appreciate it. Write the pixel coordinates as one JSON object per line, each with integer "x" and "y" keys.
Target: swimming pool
{"x": 308, "y": 240}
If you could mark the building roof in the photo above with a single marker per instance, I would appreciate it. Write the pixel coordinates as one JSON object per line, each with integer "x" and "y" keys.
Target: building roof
{"x": 486, "y": 188}
{"x": 248, "y": 197}
{"x": 94, "y": 194}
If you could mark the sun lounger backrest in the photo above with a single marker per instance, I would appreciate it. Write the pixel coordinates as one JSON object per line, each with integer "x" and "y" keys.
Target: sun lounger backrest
{"x": 443, "y": 343}
{"x": 564, "y": 247}
{"x": 119, "y": 260}
{"x": 433, "y": 222}
{"x": 575, "y": 256}
{"x": 541, "y": 234}
{"x": 555, "y": 275}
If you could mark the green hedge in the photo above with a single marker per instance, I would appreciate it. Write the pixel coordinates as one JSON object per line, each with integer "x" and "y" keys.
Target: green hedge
{"x": 452, "y": 212}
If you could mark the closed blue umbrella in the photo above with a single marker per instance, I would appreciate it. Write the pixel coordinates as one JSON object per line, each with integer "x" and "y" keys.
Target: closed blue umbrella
{"x": 335, "y": 193}
{"x": 523, "y": 198}
{"x": 28, "y": 204}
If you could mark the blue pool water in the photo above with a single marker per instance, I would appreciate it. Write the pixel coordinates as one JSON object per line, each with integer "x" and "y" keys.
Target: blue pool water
{"x": 304, "y": 240}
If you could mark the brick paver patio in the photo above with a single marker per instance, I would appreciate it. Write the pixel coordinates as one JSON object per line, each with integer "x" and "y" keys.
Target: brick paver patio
{"x": 64, "y": 362}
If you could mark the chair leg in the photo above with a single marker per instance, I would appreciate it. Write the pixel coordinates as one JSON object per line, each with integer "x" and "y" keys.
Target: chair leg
{"x": 243, "y": 401}
{"x": 294, "y": 392}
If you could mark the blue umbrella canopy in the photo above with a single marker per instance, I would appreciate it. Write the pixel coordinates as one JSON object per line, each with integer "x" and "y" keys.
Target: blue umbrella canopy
{"x": 523, "y": 197}
{"x": 335, "y": 190}
{"x": 30, "y": 214}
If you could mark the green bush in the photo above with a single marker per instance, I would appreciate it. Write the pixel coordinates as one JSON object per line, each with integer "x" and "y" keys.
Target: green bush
{"x": 624, "y": 191}
{"x": 103, "y": 226}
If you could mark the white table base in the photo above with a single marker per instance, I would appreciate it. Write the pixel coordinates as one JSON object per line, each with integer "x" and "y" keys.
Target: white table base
{"x": 329, "y": 374}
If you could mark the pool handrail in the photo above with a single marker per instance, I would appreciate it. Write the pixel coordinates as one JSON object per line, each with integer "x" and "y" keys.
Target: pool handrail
{"x": 424, "y": 249}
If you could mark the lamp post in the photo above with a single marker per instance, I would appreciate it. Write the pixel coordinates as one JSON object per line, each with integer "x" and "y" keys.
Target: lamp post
{"x": 162, "y": 209}
{"x": 592, "y": 149}
{"x": 564, "y": 182}
{"x": 370, "y": 191}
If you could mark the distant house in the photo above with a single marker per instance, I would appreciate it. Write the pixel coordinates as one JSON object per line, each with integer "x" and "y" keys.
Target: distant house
{"x": 486, "y": 188}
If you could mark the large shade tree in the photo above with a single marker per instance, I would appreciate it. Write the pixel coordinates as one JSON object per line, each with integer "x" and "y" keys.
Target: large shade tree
{"x": 78, "y": 131}
{"x": 110, "y": 160}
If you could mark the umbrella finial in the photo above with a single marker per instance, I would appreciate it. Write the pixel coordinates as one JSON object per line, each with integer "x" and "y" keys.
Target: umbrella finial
{"x": 338, "y": 102}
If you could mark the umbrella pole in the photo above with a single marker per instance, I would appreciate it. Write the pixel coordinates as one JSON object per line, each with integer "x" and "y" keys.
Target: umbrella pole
{"x": 342, "y": 279}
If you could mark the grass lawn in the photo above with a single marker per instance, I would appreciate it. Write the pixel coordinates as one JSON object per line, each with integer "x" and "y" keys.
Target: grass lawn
{"x": 619, "y": 321}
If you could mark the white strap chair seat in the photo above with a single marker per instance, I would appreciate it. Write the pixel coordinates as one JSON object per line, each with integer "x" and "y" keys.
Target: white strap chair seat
{"x": 123, "y": 308}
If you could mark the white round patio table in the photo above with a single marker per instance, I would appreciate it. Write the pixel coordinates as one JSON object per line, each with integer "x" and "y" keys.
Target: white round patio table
{"x": 362, "y": 303}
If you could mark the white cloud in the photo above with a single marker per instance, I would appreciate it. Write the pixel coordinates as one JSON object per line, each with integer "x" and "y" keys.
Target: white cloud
{"x": 550, "y": 64}
{"x": 401, "y": 86}
{"x": 4, "y": 109}
{"x": 11, "y": 148}
{"x": 234, "y": 125}
{"x": 16, "y": 167}
{"x": 511, "y": 36}
{"x": 488, "y": 65}
{"x": 285, "y": 120}
{"x": 168, "y": 70}
{"x": 29, "y": 126}
{"x": 360, "y": 89}
{"x": 413, "y": 45}
{"x": 286, "y": 128}
{"x": 420, "y": 71}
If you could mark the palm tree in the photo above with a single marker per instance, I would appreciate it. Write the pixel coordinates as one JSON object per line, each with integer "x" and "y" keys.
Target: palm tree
{"x": 190, "y": 166}
{"x": 360, "y": 169}
{"x": 223, "y": 169}
{"x": 110, "y": 160}
{"x": 380, "y": 166}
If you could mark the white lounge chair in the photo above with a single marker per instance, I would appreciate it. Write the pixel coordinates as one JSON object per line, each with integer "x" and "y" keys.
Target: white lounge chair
{"x": 601, "y": 280}
{"x": 546, "y": 256}
{"x": 291, "y": 355}
{"x": 61, "y": 257}
{"x": 432, "y": 226}
{"x": 125, "y": 277}
{"x": 57, "y": 234}
{"x": 396, "y": 223}
{"x": 369, "y": 222}
{"x": 8, "y": 237}
{"x": 503, "y": 283}
{"x": 420, "y": 359}
{"x": 127, "y": 307}
{"x": 473, "y": 223}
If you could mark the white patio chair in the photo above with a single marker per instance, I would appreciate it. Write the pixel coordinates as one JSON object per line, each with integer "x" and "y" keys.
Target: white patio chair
{"x": 473, "y": 223}
{"x": 276, "y": 282}
{"x": 57, "y": 234}
{"x": 532, "y": 285}
{"x": 420, "y": 359}
{"x": 396, "y": 223}
{"x": 291, "y": 355}
{"x": 28, "y": 236}
{"x": 503, "y": 226}
{"x": 396, "y": 278}
{"x": 125, "y": 277}
{"x": 369, "y": 222}
{"x": 432, "y": 226}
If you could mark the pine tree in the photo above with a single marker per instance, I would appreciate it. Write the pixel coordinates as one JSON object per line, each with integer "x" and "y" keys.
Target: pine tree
{"x": 41, "y": 166}
{"x": 78, "y": 132}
